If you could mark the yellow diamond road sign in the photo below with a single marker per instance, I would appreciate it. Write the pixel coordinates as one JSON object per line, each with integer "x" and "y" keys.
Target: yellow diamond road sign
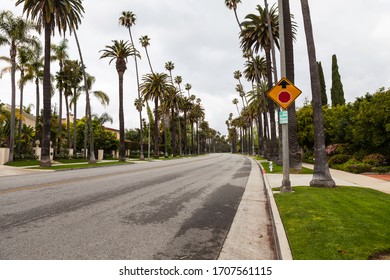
{"x": 284, "y": 93}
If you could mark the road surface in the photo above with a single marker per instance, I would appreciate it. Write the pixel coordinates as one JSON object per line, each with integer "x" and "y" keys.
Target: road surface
{"x": 179, "y": 209}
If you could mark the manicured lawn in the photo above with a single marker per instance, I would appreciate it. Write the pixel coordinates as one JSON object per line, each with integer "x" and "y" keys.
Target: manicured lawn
{"x": 23, "y": 163}
{"x": 334, "y": 224}
{"x": 278, "y": 169}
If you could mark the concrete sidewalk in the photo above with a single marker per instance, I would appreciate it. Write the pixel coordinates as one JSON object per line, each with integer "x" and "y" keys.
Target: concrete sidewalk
{"x": 340, "y": 177}
{"x": 14, "y": 171}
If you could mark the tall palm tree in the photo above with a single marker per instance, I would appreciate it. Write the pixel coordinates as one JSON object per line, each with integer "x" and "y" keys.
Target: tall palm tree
{"x": 295, "y": 159}
{"x": 255, "y": 35}
{"x": 60, "y": 53}
{"x": 144, "y": 40}
{"x": 178, "y": 81}
{"x": 88, "y": 122}
{"x": 14, "y": 32}
{"x": 153, "y": 87}
{"x": 232, "y": 5}
{"x": 169, "y": 66}
{"x": 35, "y": 74}
{"x": 49, "y": 14}
{"x": 104, "y": 100}
{"x": 188, "y": 87}
{"x": 127, "y": 19}
{"x": 74, "y": 80}
{"x": 235, "y": 102}
{"x": 186, "y": 106}
{"x": 24, "y": 56}
{"x": 119, "y": 52}
{"x": 321, "y": 176}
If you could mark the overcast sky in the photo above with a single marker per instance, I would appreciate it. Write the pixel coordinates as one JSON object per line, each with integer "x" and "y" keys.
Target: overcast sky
{"x": 201, "y": 38}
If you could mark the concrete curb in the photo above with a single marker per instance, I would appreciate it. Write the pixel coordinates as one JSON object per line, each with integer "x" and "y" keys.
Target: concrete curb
{"x": 281, "y": 241}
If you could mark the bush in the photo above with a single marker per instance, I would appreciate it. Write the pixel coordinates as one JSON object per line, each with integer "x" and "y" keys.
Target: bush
{"x": 375, "y": 160}
{"x": 357, "y": 168}
{"x": 308, "y": 157}
{"x": 338, "y": 159}
{"x": 359, "y": 155}
{"x": 381, "y": 169}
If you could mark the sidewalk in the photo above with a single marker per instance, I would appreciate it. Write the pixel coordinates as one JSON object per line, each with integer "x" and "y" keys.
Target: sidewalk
{"x": 340, "y": 177}
{"x": 14, "y": 171}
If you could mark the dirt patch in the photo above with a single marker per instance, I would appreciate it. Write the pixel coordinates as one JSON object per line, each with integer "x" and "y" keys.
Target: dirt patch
{"x": 385, "y": 177}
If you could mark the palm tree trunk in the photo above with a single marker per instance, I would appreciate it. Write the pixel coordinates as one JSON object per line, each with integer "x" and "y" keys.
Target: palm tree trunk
{"x": 147, "y": 55}
{"x": 45, "y": 156}
{"x": 321, "y": 176}
{"x": 88, "y": 121}
{"x": 174, "y": 149}
{"x": 156, "y": 129}
{"x": 121, "y": 120}
{"x": 74, "y": 120}
{"x": 271, "y": 109}
{"x": 60, "y": 115}
{"x": 185, "y": 132}
{"x": 37, "y": 108}
{"x": 21, "y": 111}
{"x": 68, "y": 121}
{"x": 295, "y": 155}
{"x": 141, "y": 156}
{"x": 13, "y": 95}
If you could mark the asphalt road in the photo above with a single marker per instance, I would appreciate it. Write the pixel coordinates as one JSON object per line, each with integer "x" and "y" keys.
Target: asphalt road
{"x": 179, "y": 209}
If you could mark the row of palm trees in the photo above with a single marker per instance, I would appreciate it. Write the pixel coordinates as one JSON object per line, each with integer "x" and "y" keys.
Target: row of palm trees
{"x": 49, "y": 15}
{"x": 26, "y": 57}
{"x": 166, "y": 93}
{"x": 261, "y": 32}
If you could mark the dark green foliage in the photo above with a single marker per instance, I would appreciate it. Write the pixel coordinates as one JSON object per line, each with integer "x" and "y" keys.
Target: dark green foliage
{"x": 359, "y": 129}
{"x": 338, "y": 159}
{"x": 375, "y": 159}
{"x": 336, "y": 92}
{"x": 358, "y": 168}
{"x": 324, "y": 97}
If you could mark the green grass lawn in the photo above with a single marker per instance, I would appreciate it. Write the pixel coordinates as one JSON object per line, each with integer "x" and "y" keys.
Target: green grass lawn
{"x": 278, "y": 169}
{"x": 334, "y": 224}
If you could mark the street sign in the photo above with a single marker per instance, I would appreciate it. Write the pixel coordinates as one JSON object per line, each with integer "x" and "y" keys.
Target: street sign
{"x": 284, "y": 93}
{"x": 283, "y": 117}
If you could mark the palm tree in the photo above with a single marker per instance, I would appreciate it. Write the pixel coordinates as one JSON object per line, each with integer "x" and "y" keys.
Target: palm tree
{"x": 50, "y": 14}
{"x": 178, "y": 81}
{"x": 153, "y": 87}
{"x": 14, "y": 32}
{"x": 186, "y": 106}
{"x": 60, "y": 53}
{"x": 295, "y": 159}
{"x": 128, "y": 20}
{"x": 321, "y": 176}
{"x": 255, "y": 35}
{"x": 169, "y": 66}
{"x": 119, "y": 52}
{"x": 235, "y": 102}
{"x": 24, "y": 55}
{"x": 144, "y": 40}
{"x": 104, "y": 100}
{"x": 188, "y": 88}
{"x": 232, "y": 5}
{"x": 74, "y": 80}
{"x": 35, "y": 74}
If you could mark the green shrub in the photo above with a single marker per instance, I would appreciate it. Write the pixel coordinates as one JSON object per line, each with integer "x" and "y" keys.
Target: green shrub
{"x": 357, "y": 168}
{"x": 308, "y": 157}
{"x": 359, "y": 155}
{"x": 375, "y": 160}
{"x": 381, "y": 169}
{"x": 338, "y": 159}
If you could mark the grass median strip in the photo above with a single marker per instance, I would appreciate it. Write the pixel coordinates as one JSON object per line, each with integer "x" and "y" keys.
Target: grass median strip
{"x": 334, "y": 224}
